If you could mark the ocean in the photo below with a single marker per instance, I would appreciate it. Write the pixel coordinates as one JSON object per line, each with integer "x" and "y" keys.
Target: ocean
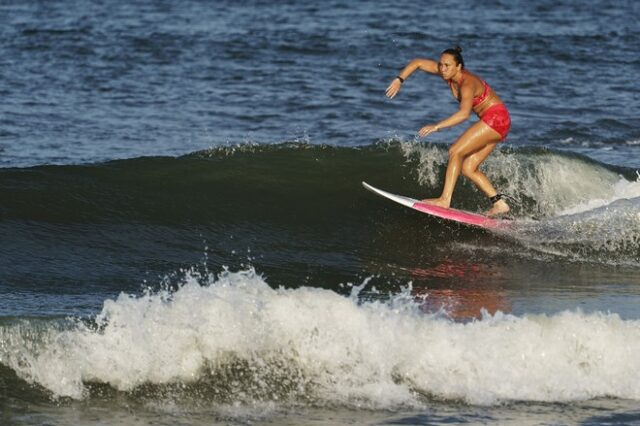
{"x": 185, "y": 240}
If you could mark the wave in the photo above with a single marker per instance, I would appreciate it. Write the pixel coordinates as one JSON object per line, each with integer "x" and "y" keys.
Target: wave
{"x": 270, "y": 190}
{"x": 232, "y": 338}
{"x": 605, "y": 234}
{"x": 548, "y": 182}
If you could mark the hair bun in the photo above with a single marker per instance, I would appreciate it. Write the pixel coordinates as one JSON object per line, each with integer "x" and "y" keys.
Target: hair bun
{"x": 458, "y": 49}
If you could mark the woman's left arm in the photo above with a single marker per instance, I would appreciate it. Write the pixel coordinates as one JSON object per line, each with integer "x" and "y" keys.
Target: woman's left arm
{"x": 463, "y": 113}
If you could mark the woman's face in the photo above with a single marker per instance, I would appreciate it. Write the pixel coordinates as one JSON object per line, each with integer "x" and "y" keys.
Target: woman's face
{"x": 447, "y": 66}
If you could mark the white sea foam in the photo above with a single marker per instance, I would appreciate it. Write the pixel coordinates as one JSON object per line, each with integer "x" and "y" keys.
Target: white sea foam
{"x": 430, "y": 158}
{"x": 331, "y": 349}
{"x": 621, "y": 189}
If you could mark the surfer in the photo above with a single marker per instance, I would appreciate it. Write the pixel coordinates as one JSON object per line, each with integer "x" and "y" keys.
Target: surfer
{"x": 479, "y": 140}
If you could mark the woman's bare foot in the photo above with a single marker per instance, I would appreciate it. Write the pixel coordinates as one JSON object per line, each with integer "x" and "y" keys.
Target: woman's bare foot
{"x": 437, "y": 202}
{"x": 499, "y": 207}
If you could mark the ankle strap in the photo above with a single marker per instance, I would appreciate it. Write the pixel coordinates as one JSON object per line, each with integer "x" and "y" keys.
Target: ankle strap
{"x": 499, "y": 197}
{"x": 496, "y": 198}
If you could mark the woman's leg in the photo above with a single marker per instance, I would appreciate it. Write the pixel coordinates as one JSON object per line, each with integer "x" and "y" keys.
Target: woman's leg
{"x": 477, "y": 141}
{"x": 470, "y": 169}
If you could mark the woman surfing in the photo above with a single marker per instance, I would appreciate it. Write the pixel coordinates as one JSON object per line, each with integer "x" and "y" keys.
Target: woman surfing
{"x": 479, "y": 140}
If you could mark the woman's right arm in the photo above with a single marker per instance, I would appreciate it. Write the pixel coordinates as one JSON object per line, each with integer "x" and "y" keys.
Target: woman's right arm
{"x": 426, "y": 65}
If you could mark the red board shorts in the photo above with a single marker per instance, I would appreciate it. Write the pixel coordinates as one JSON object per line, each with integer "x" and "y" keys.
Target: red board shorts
{"x": 497, "y": 117}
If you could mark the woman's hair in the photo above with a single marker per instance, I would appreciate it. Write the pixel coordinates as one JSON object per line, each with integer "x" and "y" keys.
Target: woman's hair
{"x": 456, "y": 52}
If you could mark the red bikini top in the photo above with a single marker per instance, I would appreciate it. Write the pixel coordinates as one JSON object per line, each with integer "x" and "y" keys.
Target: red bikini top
{"x": 478, "y": 99}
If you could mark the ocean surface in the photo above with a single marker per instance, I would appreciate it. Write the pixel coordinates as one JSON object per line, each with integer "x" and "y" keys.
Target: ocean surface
{"x": 185, "y": 240}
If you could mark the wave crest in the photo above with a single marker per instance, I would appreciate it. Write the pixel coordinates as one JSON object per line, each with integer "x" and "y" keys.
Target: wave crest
{"x": 233, "y": 337}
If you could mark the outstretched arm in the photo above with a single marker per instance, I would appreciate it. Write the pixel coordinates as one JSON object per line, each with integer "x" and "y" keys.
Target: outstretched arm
{"x": 466, "y": 104}
{"x": 426, "y": 65}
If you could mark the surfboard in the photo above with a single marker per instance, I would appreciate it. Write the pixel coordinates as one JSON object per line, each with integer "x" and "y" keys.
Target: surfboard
{"x": 461, "y": 216}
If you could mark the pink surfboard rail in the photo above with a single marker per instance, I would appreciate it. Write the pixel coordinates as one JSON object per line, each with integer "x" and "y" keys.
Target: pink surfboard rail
{"x": 455, "y": 215}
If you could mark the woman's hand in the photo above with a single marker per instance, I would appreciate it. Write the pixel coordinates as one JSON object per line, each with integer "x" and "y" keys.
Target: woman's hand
{"x": 394, "y": 88}
{"x": 428, "y": 129}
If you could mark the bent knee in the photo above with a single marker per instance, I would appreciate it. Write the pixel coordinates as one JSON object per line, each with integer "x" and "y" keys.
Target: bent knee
{"x": 468, "y": 169}
{"x": 454, "y": 152}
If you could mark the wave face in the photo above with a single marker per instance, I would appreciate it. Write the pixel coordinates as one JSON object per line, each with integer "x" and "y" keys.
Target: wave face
{"x": 311, "y": 196}
{"x": 234, "y": 338}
